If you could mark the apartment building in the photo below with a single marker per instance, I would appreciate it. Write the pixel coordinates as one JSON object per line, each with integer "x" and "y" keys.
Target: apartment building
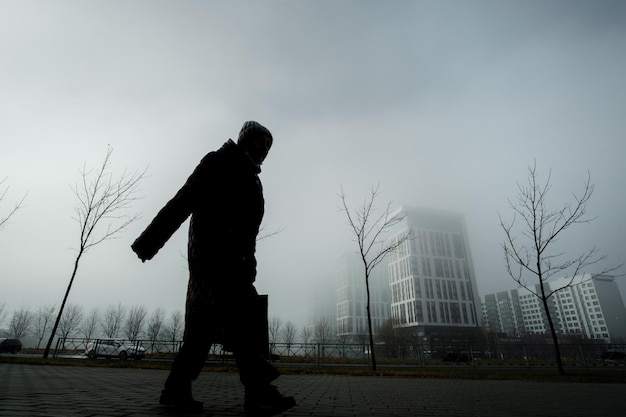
{"x": 589, "y": 306}
{"x": 502, "y": 313}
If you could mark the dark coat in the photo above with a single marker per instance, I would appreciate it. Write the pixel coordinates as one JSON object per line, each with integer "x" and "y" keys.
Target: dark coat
{"x": 224, "y": 197}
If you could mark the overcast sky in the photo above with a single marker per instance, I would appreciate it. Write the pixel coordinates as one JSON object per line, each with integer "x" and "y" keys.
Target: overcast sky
{"x": 442, "y": 103}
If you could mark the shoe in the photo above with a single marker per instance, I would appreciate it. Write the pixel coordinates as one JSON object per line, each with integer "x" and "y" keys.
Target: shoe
{"x": 266, "y": 402}
{"x": 180, "y": 401}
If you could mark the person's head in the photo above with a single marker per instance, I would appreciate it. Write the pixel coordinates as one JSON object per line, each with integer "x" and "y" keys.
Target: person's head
{"x": 256, "y": 140}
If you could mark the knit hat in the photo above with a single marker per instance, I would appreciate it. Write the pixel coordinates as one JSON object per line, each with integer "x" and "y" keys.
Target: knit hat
{"x": 251, "y": 129}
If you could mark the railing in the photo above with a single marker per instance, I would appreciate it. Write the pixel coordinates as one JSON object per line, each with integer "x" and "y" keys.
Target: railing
{"x": 154, "y": 349}
{"x": 514, "y": 354}
{"x": 320, "y": 353}
{"x": 496, "y": 354}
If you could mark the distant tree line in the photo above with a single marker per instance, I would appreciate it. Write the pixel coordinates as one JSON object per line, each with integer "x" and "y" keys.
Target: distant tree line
{"x": 114, "y": 321}
{"x": 133, "y": 323}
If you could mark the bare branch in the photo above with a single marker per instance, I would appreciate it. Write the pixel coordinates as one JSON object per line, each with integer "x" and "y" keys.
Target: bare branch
{"x": 7, "y": 217}
{"x": 262, "y": 235}
{"x": 101, "y": 199}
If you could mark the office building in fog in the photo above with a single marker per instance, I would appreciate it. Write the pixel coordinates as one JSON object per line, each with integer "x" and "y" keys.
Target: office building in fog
{"x": 322, "y": 313}
{"x": 352, "y": 298}
{"x": 431, "y": 275}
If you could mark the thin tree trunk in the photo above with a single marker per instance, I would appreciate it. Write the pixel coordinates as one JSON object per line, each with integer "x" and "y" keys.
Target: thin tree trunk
{"x": 58, "y": 320}
{"x": 555, "y": 339}
{"x": 369, "y": 323}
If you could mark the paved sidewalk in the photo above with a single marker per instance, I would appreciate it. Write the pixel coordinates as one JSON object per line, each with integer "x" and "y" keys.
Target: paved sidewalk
{"x": 55, "y": 391}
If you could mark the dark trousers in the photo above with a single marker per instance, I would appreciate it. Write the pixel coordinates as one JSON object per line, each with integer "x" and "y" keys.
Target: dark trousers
{"x": 231, "y": 314}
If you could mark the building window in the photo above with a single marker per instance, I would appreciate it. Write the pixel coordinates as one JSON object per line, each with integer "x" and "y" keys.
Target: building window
{"x": 419, "y": 316}
{"x": 464, "y": 311}
{"x": 469, "y": 292}
{"x": 443, "y": 313}
{"x": 455, "y": 313}
{"x": 452, "y": 289}
{"x": 429, "y": 313}
{"x": 459, "y": 250}
{"x": 438, "y": 268}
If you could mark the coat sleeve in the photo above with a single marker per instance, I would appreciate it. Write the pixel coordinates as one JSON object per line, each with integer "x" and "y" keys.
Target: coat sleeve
{"x": 172, "y": 215}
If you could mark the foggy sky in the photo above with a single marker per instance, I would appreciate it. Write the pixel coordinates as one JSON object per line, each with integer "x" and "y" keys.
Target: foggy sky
{"x": 442, "y": 103}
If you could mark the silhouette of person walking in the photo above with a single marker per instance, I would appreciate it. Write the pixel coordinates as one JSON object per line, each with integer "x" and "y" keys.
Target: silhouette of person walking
{"x": 224, "y": 198}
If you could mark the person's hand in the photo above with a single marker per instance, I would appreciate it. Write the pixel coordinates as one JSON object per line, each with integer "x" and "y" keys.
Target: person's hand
{"x": 138, "y": 252}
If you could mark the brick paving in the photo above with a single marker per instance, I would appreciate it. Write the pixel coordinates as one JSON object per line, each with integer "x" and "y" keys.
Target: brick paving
{"x": 60, "y": 391}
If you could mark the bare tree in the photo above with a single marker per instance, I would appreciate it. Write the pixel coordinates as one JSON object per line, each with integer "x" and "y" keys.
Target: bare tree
{"x": 90, "y": 323}
{"x": 323, "y": 331}
{"x": 388, "y": 336}
{"x": 342, "y": 333}
{"x": 112, "y": 320}
{"x": 4, "y": 219}
{"x": 20, "y": 322}
{"x": 43, "y": 319}
{"x": 369, "y": 229}
{"x": 155, "y": 324}
{"x": 274, "y": 326}
{"x": 174, "y": 326}
{"x": 289, "y": 334}
{"x": 306, "y": 334}
{"x": 134, "y": 322}
{"x": 70, "y": 320}
{"x": 3, "y": 312}
{"x": 536, "y": 252}
{"x": 100, "y": 213}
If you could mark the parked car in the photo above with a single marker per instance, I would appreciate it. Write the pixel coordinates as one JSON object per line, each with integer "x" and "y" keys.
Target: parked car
{"x": 10, "y": 346}
{"x": 614, "y": 355}
{"x": 455, "y": 357}
{"x": 109, "y": 348}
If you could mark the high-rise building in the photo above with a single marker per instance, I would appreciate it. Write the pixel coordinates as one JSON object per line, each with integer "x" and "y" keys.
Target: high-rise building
{"x": 431, "y": 274}
{"x": 502, "y": 313}
{"x": 591, "y": 307}
{"x": 352, "y": 298}
{"x": 322, "y": 307}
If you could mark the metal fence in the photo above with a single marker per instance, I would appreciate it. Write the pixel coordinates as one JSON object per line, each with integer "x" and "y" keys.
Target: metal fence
{"x": 319, "y": 353}
{"x": 153, "y": 349}
{"x": 516, "y": 354}
{"x": 519, "y": 354}
{"x": 528, "y": 354}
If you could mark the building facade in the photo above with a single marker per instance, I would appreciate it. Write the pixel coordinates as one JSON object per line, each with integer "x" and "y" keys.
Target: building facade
{"x": 352, "y": 298}
{"x": 322, "y": 307}
{"x": 431, "y": 274}
{"x": 589, "y": 307}
{"x": 502, "y": 313}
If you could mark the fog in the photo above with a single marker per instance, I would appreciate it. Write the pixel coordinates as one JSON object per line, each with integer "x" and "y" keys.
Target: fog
{"x": 443, "y": 103}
